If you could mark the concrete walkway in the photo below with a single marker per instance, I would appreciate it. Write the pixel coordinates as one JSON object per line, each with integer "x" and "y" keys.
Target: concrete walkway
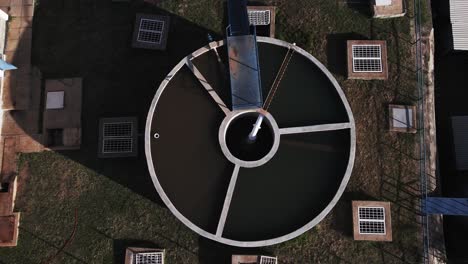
{"x": 20, "y": 104}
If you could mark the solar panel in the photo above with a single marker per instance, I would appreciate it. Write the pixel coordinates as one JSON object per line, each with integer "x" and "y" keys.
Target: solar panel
{"x": 259, "y": 17}
{"x": 121, "y": 129}
{"x": 150, "y": 31}
{"x": 371, "y": 220}
{"x": 151, "y": 24}
{"x": 371, "y": 228}
{"x": 367, "y": 58}
{"x": 117, "y": 137}
{"x": 149, "y": 258}
{"x": 117, "y": 145}
{"x": 268, "y": 260}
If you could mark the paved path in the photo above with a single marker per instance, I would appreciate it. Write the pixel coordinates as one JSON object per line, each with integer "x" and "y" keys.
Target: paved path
{"x": 20, "y": 100}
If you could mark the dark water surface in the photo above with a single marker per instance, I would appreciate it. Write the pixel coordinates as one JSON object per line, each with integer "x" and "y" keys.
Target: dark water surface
{"x": 291, "y": 189}
{"x": 187, "y": 158}
{"x": 237, "y": 138}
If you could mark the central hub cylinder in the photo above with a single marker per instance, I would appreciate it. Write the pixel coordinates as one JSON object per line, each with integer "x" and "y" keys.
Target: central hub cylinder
{"x": 234, "y": 138}
{"x": 239, "y": 142}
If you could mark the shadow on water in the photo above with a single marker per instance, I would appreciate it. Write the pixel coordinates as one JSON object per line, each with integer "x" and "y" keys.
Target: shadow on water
{"x": 118, "y": 80}
{"x": 337, "y": 53}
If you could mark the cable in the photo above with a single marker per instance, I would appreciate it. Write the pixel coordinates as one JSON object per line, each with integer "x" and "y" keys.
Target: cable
{"x": 67, "y": 242}
{"x": 278, "y": 78}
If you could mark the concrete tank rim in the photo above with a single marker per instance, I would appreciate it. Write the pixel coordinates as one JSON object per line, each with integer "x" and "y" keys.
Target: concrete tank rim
{"x": 259, "y": 243}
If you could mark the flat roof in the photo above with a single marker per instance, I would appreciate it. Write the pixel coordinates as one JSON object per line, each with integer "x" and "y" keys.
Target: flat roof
{"x": 459, "y": 20}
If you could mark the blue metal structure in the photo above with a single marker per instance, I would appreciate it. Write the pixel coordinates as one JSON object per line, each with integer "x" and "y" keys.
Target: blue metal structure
{"x": 446, "y": 206}
{"x": 238, "y": 18}
{"x": 244, "y": 70}
{"x": 4, "y": 66}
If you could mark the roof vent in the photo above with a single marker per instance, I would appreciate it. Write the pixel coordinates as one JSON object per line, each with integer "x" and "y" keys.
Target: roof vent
{"x": 402, "y": 118}
{"x": 55, "y": 100}
{"x": 383, "y": 2}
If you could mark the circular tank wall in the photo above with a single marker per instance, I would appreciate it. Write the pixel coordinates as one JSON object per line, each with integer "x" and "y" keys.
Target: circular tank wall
{"x": 250, "y": 195}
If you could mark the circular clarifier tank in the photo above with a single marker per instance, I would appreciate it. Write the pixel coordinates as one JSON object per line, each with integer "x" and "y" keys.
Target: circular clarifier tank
{"x": 242, "y": 192}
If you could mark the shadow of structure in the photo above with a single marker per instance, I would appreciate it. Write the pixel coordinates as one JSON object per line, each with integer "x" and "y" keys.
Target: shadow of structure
{"x": 214, "y": 252}
{"x": 120, "y": 245}
{"x": 337, "y": 51}
{"x": 343, "y": 211}
{"x": 91, "y": 39}
{"x": 118, "y": 81}
{"x": 360, "y": 6}
{"x": 450, "y": 72}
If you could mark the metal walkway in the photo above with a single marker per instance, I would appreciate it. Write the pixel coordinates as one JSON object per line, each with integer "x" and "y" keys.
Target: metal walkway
{"x": 445, "y": 206}
{"x": 244, "y": 70}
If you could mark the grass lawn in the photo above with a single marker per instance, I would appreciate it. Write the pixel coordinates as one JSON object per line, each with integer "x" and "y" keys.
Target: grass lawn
{"x": 115, "y": 201}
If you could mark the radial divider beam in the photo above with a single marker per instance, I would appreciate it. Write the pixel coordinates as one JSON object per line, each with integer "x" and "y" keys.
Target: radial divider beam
{"x": 314, "y": 128}
{"x": 207, "y": 86}
{"x": 227, "y": 201}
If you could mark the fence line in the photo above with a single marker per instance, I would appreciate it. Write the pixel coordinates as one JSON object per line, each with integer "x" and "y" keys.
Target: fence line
{"x": 422, "y": 143}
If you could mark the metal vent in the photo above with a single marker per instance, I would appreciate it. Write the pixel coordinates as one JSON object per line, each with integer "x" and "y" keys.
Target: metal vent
{"x": 118, "y": 137}
{"x": 371, "y": 220}
{"x": 268, "y": 260}
{"x": 150, "y": 31}
{"x": 367, "y": 58}
{"x": 259, "y": 17}
{"x": 149, "y": 258}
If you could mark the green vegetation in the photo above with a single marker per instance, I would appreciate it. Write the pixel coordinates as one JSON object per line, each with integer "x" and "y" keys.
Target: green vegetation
{"x": 109, "y": 216}
{"x": 114, "y": 198}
